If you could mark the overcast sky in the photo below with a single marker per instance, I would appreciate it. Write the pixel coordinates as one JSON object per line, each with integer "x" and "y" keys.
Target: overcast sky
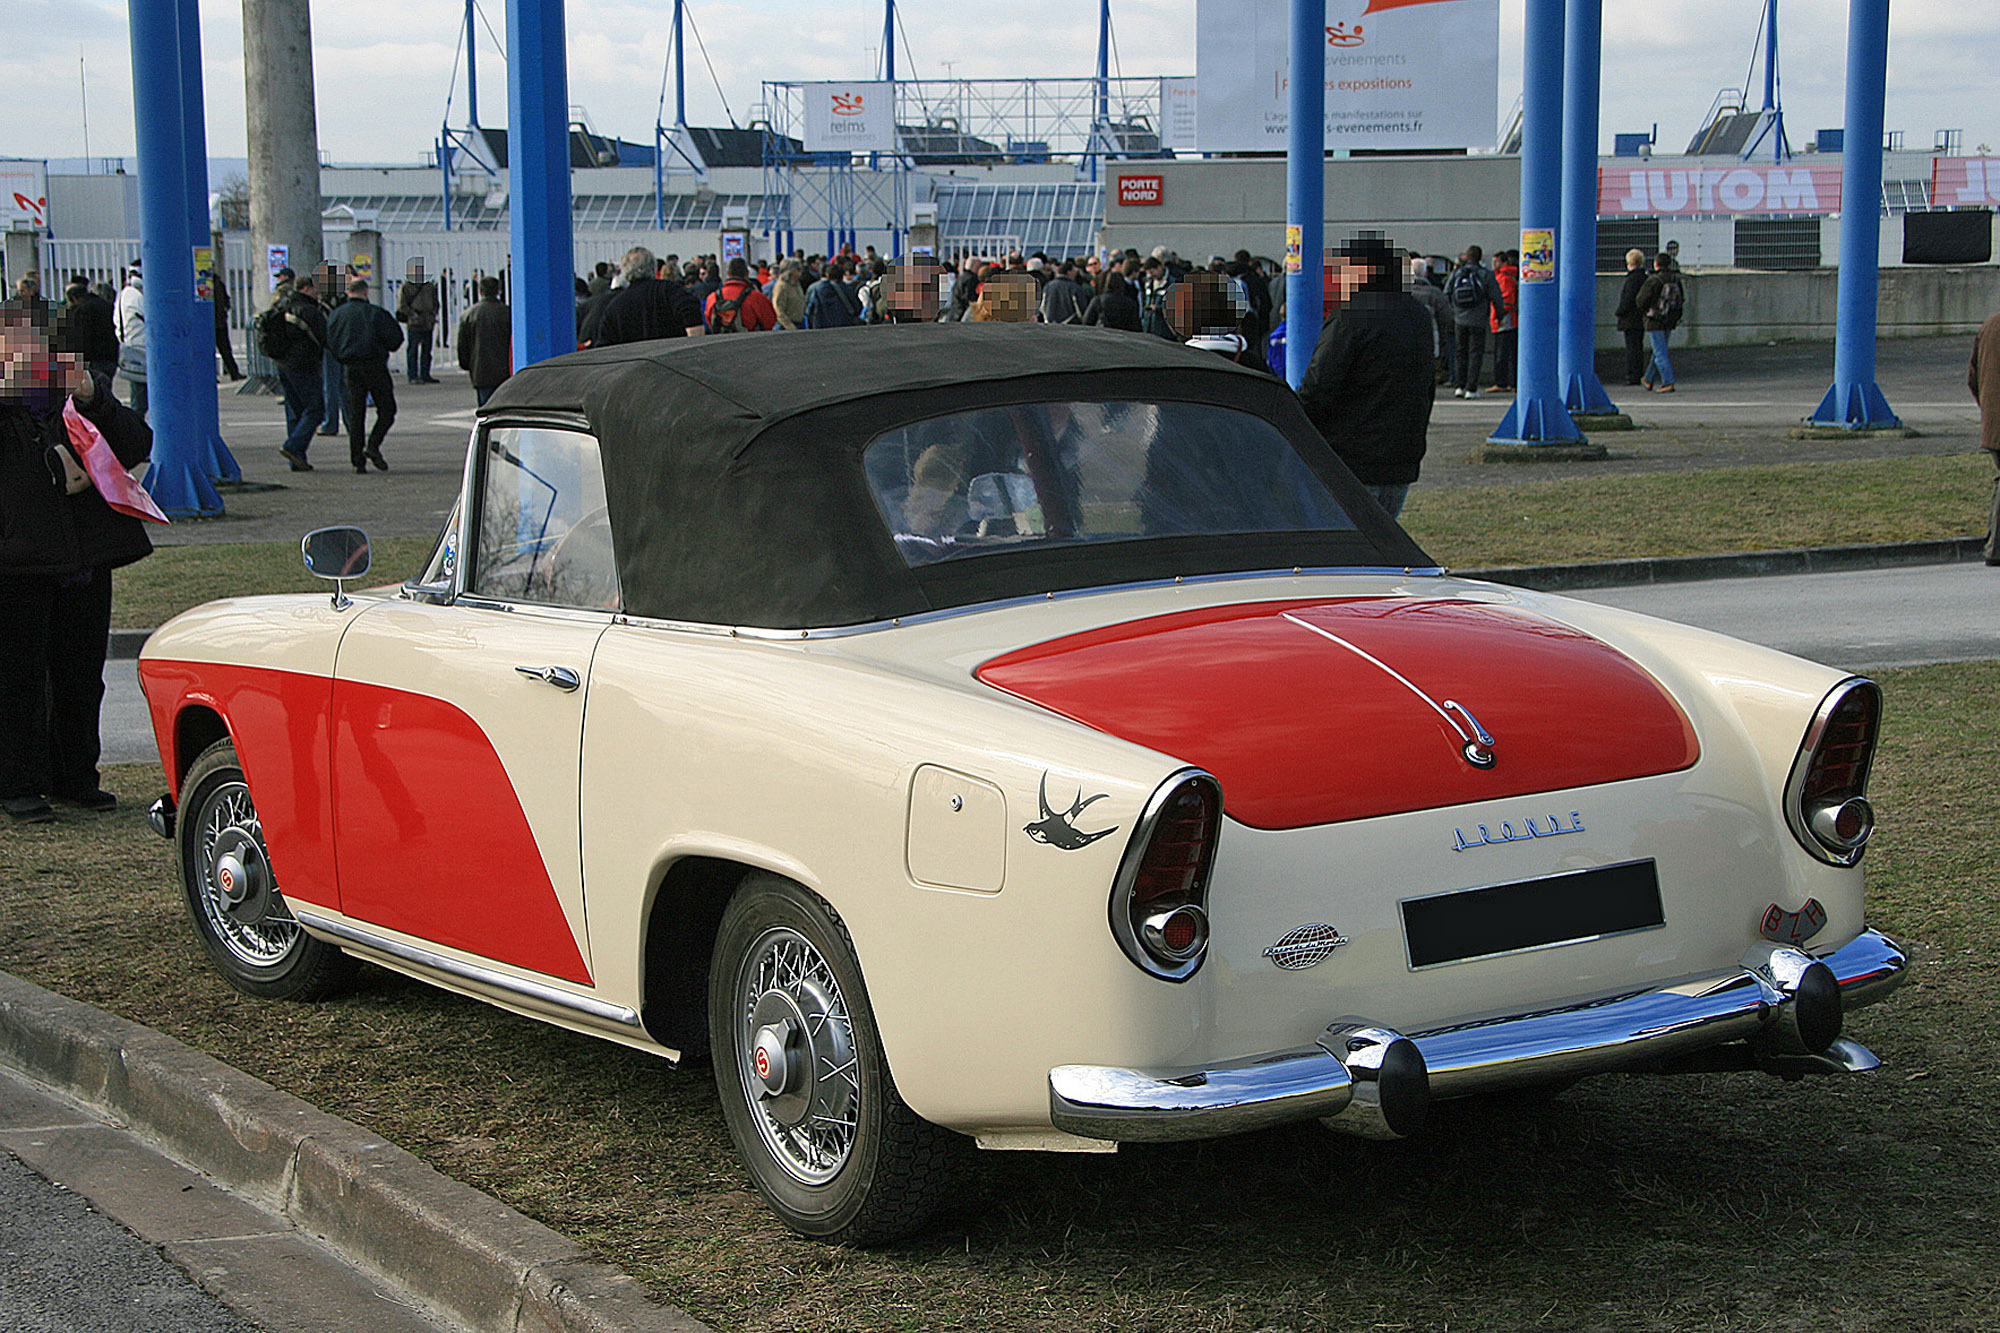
{"x": 383, "y": 68}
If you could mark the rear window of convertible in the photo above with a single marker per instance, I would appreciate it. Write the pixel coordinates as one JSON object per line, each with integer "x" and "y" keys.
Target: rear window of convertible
{"x": 1044, "y": 474}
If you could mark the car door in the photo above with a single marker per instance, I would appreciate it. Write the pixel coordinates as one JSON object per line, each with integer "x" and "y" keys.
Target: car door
{"x": 458, "y": 718}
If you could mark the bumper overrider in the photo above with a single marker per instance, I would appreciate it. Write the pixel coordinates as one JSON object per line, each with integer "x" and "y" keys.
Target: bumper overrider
{"x": 1780, "y": 1011}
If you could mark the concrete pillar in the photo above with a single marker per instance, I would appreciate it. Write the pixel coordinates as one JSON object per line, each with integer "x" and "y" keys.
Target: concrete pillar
{"x": 284, "y": 137}
{"x": 1305, "y": 187}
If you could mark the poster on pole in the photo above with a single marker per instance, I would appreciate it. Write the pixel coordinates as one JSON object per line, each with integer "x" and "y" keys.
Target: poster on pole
{"x": 276, "y": 258}
{"x": 1538, "y": 254}
{"x": 1399, "y": 74}
{"x": 850, "y": 117}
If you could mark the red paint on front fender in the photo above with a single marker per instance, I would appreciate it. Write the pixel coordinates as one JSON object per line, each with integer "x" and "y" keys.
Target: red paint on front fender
{"x": 387, "y": 806}
{"x": 1301, "y": 730}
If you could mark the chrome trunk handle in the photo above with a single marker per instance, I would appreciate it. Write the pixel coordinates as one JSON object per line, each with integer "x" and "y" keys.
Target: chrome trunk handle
{"x": 561, "y": 677}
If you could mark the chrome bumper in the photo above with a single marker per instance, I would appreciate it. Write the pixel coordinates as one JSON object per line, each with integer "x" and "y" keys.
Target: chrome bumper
{"x": 1361, "y": 1078}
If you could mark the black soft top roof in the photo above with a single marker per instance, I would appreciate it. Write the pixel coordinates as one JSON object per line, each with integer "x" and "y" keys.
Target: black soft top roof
{"x": 732, "y": 465}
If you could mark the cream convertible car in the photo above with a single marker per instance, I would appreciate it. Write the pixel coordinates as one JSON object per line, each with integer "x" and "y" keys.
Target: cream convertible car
{"x": 1020, "y": 735}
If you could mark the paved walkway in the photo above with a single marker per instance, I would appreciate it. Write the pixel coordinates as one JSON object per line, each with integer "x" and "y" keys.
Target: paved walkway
{"x": 1734, "y": 406}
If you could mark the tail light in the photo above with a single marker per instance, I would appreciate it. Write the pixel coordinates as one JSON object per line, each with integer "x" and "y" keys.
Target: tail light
{"x": 1826, "y": 800}
{"x": 1159, "y": 905}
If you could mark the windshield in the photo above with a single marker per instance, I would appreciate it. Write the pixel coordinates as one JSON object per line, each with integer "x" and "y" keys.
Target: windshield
{"x": 1042, "y": 474}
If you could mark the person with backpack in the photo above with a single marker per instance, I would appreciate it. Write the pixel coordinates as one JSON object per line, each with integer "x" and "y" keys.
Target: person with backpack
{"x": 829, "y": 303}
{"x": 1475, "y": 302}
{"x": 737, "y": 306}
{"x": 291, "y": 332}
{"x": 1662, "y": 299}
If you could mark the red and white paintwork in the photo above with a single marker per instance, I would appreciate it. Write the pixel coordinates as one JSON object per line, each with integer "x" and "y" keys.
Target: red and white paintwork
{"x": 412, "y": 781}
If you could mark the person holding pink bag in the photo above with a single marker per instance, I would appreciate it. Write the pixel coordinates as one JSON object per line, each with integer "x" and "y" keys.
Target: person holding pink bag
{"x": 70, "y": 513}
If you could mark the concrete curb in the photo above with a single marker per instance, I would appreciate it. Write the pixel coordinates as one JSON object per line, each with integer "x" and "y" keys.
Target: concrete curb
{"x": 460, "y": 1252}
{"x": 1742, "y": 564}
{"x": 126, "y": 643}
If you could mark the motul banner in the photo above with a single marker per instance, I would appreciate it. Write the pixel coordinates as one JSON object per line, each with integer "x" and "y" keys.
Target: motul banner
{"x": 1399, "y": 74}
{"x": 1965, "y": 182}
{"x": 1692, "y": 191}
{"x": 850, "y": 118}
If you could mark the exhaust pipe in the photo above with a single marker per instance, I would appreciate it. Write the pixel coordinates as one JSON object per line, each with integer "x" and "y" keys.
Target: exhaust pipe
{"x": 1806, "y": 1008}
{"x": 1391, "y": 1085}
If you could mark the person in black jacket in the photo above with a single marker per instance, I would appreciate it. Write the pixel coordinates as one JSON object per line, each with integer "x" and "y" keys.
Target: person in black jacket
{"x": 1369, "y": 386}
{"x": 361, "y": 335}
{"x": 486, "y": 341}
{"x": 1631, "y": 318}
{"x": 1115, "y": 307}
{"x": 85, "y": 330}
{"x": 59, "y": 542}
{"x": 300, "y": 370}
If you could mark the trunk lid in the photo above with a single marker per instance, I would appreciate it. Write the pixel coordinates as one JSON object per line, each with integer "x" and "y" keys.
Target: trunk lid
{"x": 1316, "y": 711}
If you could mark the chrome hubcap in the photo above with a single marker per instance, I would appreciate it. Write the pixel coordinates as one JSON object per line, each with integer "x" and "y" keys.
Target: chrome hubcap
{"x": 238, "y": 894}
{"x": 796, "y": 1056}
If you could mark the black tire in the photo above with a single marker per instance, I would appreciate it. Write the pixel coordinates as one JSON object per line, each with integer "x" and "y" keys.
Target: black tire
{"x": 829, "y": 1143}
{"x": 232, "y": 895}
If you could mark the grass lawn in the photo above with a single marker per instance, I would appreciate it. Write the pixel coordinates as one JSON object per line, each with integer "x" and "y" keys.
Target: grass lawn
{"x": 1712, "y": 1202}
{"x": 1702, "y": 512}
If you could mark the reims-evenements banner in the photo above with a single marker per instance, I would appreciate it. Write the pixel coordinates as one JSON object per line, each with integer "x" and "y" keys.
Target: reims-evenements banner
{"x": 1399, "y": 74}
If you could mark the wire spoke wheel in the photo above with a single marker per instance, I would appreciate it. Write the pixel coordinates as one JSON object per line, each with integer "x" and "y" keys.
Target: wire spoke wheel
{"x": 796, "y": 1056}
{"x": 238, "y": 893}
{"x": 805, "y": 1089}
{"x": 232, "y": 890}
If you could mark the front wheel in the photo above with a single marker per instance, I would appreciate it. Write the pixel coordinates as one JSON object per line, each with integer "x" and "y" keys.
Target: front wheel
{"x": 804, "y": 1086}
{"x": 232, "y": 894}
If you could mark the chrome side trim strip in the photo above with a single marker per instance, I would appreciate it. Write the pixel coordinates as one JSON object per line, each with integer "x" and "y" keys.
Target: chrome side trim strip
{"x": 537, "y": 991}
{"x": 954, "y": 612}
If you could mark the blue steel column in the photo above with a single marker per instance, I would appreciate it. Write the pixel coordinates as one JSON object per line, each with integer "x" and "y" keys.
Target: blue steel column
{"x": 218, "y": 462}
{"x": 471, "y": 64}
{"x": 1305, "y": 186}
{"x": 179, "y": 476}
{"x": 1103, "y": 119}
{"x": 1538, "y": 415}
{"x": 538, "y": 170}
{"x": 1576, "y": 258}
{"x": 1854, "y": 400}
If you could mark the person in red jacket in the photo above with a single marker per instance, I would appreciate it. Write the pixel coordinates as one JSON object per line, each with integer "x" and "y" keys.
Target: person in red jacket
{"x": 738, "y": 305}
{"x": 1506, "y": 322}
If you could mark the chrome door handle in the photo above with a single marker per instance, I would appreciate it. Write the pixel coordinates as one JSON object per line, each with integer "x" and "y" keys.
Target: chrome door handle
{"x": 561, "y": 677}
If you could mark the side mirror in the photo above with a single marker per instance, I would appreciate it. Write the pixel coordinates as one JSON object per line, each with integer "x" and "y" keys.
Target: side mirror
{"x": 338, "y": 554}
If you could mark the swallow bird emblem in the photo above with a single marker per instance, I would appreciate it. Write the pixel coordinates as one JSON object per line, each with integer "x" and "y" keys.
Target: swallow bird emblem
{"x": 1059, "y": 830}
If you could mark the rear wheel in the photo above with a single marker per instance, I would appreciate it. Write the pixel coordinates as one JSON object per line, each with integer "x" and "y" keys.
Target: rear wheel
{"x": 232, "y": 894}
{"x": 804, "y": 1086}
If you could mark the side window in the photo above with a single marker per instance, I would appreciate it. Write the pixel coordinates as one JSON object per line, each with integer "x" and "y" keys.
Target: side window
{"x": 544, "y": 535}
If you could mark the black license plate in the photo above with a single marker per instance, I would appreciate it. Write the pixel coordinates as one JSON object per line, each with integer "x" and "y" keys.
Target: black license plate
{"x": 1533, "y": 914}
